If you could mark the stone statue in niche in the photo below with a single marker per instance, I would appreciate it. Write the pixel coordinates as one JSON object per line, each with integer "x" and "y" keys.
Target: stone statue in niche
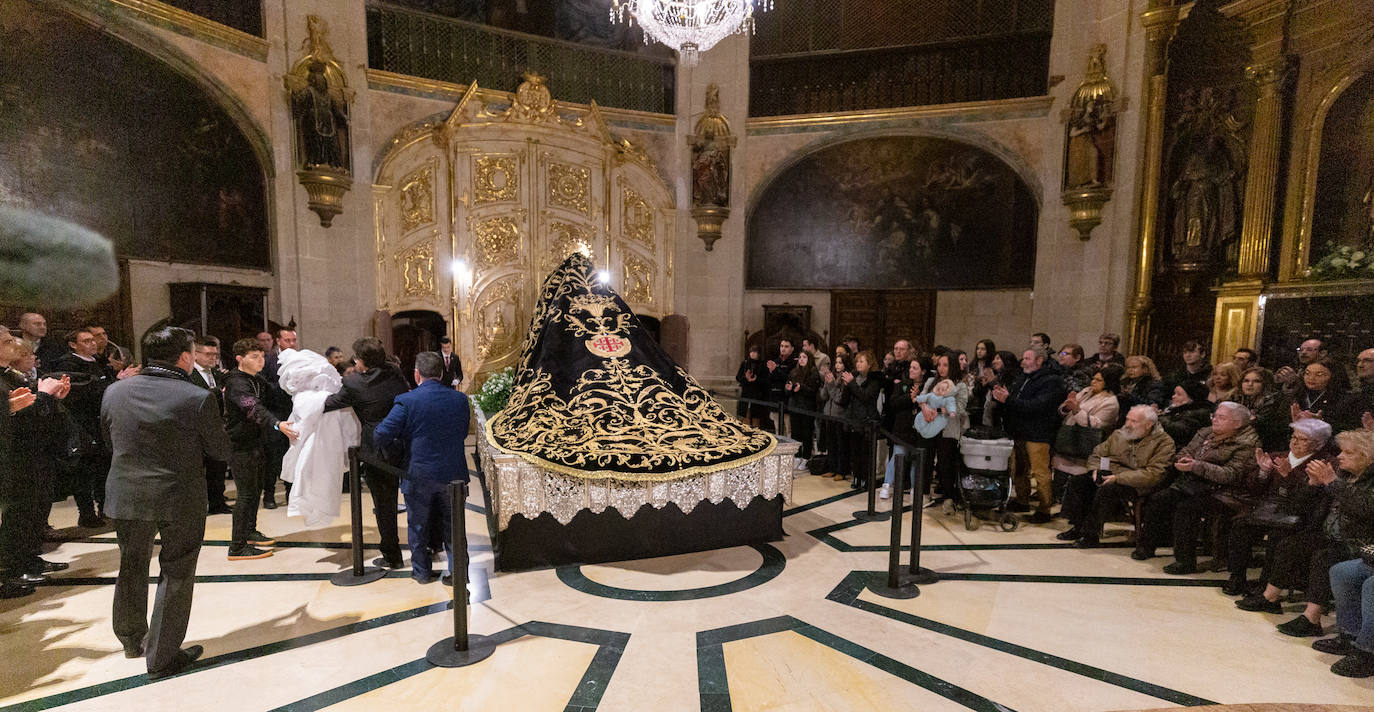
{"x": 711, "y": 155}
{"x": 322, "y": 121}
{"x": 1205, "y": 192}
{"x": 1091, "y": 128}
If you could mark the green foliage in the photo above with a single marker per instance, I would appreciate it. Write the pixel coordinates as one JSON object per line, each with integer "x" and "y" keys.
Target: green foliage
{"x": 494, "y": 393}
{"x": 1344, "y": 262}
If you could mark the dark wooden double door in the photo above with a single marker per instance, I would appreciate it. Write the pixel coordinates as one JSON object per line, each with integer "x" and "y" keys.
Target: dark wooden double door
{"x": 878, "y": 318}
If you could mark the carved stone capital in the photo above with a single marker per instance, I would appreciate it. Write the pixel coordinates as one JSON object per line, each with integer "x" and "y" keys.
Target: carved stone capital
{"x": 1267, "y": 74}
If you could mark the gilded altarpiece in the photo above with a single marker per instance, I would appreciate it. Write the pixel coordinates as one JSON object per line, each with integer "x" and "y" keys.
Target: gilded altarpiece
{"x": 499, "y": 193}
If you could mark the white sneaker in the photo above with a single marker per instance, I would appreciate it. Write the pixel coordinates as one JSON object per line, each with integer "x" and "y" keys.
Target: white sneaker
{"x": 885, "y": 492}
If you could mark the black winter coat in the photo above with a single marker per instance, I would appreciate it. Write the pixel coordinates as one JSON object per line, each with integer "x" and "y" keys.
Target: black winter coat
{"x": 1032, "y": 408}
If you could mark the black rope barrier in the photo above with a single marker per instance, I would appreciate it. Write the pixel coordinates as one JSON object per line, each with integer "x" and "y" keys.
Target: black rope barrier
{"x": 916, "y": 574}
{"x": 358, "y": 574}
{"x": 463, "y": 648}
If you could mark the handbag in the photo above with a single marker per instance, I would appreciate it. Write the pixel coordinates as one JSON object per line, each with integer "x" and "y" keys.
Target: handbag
{"x": 1193, "y": 486}
{"x": 1077, "y": 440}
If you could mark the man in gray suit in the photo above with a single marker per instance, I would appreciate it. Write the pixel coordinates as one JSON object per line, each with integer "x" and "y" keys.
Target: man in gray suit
{"x": 160, "y": 427}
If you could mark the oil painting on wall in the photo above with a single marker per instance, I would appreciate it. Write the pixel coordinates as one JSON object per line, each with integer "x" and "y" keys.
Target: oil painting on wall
{"x": 893, "y": 212}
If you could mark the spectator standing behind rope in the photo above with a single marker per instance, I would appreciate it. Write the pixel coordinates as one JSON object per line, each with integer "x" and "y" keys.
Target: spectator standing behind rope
{"x": 832, "y": 433}
{"x": 862, "y": 386}
{"x": 947, "y": 442}
{"x": 803, "y": 389}
{"x": 1032, "y": 420}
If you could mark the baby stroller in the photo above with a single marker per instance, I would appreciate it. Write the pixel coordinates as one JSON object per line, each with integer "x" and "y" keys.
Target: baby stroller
{"x": 985, "y": 485}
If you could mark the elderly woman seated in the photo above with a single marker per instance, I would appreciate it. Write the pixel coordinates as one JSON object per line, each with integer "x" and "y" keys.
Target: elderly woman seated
{"x": 1219, "y": 457}
{"x": 1128, "y": 464}
{"x": 1281, "y": 501}
{"x": 1304, "y": 560}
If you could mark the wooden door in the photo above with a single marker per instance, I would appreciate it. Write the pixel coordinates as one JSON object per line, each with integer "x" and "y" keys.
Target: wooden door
{"x": 879, "y": 317}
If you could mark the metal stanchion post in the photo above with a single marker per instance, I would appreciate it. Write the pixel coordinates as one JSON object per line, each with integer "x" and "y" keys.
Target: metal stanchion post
{"x": 916, "y": 573}
{"x": 358, "y": 574}
{"x": 462, "y": 649}
{"x": 896, "y": 586}
{"x": 870, "y": 469}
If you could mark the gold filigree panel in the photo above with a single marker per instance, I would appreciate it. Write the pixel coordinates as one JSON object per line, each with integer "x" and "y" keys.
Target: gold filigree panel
{"x": 565, "y": 238}
{"x": 416, "y": 266}
{"x": 497, "y": 240}
{"x": 637, "y": 219}
{"x": 495, "y": 317}
{"x": 495, "y": 179}
{"x": 638, "y": 278}
{"x": 417, "y": 199}
{"x": 570, "y": 187}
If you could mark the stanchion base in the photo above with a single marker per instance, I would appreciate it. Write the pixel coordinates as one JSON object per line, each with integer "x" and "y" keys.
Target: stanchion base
{"x": 347, "y": 578}
{"x": 906, "y": 590}
{"x": 443, "y": 654}
{"x": 864, "y": 515}
{"x": 922, "y": 577}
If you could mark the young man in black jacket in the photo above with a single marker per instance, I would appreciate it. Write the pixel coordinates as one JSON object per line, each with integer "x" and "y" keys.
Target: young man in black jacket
{"x": 371, "y": 394}
{"x": 249, "y": 423}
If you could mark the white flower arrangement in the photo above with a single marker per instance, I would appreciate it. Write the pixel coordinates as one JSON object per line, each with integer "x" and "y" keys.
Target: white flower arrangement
{"x": 1344, "y": 262}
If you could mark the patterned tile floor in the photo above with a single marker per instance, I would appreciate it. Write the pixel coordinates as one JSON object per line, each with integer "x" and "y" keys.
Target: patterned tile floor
{"x": 1019, "y": 622}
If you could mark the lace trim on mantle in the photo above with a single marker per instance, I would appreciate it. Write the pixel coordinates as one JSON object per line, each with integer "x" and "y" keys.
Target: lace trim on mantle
{"x": 520, "y": 487}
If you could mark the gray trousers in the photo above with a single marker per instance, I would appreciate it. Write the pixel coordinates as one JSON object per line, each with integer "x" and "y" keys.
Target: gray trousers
{"x": 181, "y": 542}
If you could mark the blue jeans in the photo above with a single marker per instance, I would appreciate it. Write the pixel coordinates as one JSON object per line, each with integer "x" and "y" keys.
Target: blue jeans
{"x": 892, "y": 465}
{"x": 1353, "y": 584}
{"x": 422, "y": 498}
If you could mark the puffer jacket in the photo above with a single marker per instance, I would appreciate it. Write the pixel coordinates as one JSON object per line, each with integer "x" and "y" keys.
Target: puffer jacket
{"x": 1136, "y": 463}
{"x": 860, "y": 397}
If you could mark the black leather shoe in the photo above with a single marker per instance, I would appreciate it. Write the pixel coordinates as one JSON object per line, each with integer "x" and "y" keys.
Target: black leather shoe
{"x": 30, "y": 578}
{"x": 1140, "y": 554}
{"x": 1341, "y": 644}
{"x": 1040, "y": 518}
{"x": 381, "y": 561}
{"x": 269, "y": 502}
{"x": 1300, "y": 627}
{"x": 1259, "y": 604}
{"x": 54, "y": 566}
{"x": 1181, "y": 568}
{"x": 221, "y": 509}
{"x": 184, "y": 660}
{"x": 447, "y": 580}
{"x": 1070, "y": 534}
{"x": 15, "y": 589}
{"x": 1235, "y": 586}
{"x": 1360, "y": 664}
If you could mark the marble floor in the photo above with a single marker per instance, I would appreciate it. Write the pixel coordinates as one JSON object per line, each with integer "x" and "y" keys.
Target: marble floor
{"x": 1019, "y": 621}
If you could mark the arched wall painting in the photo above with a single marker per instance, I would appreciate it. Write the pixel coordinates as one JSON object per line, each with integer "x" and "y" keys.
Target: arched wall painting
{"x": 98, "y": 132}
{"x": 893, "y": 212}
{"x": 1343, "y": 212}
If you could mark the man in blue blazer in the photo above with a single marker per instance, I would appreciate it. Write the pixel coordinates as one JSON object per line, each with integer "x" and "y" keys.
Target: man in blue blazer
{"x": 433, "y": 421}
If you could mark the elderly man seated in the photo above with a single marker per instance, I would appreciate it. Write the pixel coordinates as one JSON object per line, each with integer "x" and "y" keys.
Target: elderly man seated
{"x": 1280, "y": 501}
{"x": 1220, "y": 456}
{"x": 1128, "y": 464}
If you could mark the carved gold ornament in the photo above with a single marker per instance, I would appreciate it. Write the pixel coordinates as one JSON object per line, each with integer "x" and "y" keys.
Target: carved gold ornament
{"x": 495, "y": 179}
{"x": 569, "y": 187}
{"x": 638, "y": 218}
{"x": 417, "y": 199}
{"x": 533, "y": 103}
{"x": 417, "y": 270}
{"x": 565, "y": 238}
{"x": 498, "y": 241}
{"x": 495, "y": 336}
{"x": 638, "y": 280}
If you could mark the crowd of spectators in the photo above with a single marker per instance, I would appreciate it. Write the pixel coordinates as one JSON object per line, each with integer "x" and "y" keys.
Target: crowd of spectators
{"x": 1253, "y": 464}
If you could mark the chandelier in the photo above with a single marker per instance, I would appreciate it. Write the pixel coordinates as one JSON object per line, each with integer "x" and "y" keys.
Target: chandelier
{"x": 689, "y": 26}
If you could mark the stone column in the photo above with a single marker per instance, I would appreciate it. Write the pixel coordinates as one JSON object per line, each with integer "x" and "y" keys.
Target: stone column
{"x": 1159, "y": 22}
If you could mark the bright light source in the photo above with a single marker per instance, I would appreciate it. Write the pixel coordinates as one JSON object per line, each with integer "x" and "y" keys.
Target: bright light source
{"x": 462, "y": 274}
{"x": 603, "y": 277}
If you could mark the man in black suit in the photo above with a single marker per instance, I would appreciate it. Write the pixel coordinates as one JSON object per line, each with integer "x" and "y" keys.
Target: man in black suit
{"x": 208, "y": 375}
{"x": 34, "y": 329}
{"x": 280, "y": 404}
{"x": 453, "y": 366}
{"x": 160, "y": 428}
{"x": 89, "y": 379}
{"x": 370, "y": 394}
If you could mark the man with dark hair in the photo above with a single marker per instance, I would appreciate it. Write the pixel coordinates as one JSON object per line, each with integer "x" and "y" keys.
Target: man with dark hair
{"x": 1040, "y": 340}
{"x": 279, "y": 402}
{"x": 851, "y": 342}
{"x": 1244, "y": 359}
{"x": 818, "y": 357}
{"x": 1195, "y": 367}
{"x": 371, "y": 394}
{"x": 207, "y": 374}
{"x": 453, "y": 366}
{"x": 249, "y": 421}
{"x": 103, "y": 346}
{"x": 1032, "y": 420}
{"x": 89, "y": 379}
{"x": 160, "y": 429}
{"x": 432, "y": 420}
{"x": 780, "y": 370}
{"x": 1107, "y": 345}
